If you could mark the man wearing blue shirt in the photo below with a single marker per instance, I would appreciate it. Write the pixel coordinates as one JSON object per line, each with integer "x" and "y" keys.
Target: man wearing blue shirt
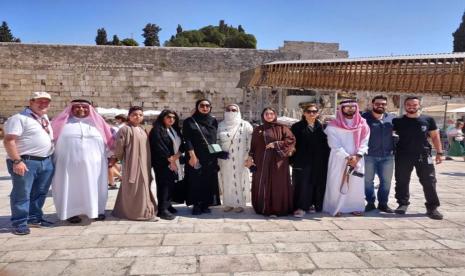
{"x": 380, "y": 158}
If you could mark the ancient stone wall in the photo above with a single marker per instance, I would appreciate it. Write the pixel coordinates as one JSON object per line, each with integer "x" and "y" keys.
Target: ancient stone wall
{"x": 155, "y": 77}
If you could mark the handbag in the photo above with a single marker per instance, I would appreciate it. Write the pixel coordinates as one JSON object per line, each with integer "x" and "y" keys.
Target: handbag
{"x": 212, "y": 148}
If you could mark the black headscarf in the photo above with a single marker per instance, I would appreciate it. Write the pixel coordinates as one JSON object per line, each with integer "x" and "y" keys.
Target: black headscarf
{"x": 203, "y": 119}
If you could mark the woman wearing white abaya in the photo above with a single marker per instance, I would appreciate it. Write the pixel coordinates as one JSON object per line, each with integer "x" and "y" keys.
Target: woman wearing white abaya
{"x": 234, "y": 136}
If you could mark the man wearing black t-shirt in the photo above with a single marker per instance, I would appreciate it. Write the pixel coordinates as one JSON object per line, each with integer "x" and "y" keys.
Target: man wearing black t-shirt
{"x": 414, "y": 150}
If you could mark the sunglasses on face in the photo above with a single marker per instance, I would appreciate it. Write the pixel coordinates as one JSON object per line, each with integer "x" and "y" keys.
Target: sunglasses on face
{"x": 170, "y": 117}
{"x": 311, "y": 111}
{"x": 204, "y": 105}
{"x": 231, "y": 110}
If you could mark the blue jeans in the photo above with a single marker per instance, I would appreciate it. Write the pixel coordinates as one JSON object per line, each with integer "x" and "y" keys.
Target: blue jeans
{"x": 29, "y": 191}
{"x": 383, "y": 167}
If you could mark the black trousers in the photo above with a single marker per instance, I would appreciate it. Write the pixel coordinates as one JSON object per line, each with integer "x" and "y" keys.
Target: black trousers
{"x": 309, "y": 188}
{"x": 404, "y": 164}
{"x": 164, "y": 178}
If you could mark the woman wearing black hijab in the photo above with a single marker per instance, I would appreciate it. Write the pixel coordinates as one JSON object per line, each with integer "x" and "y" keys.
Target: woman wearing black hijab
{"x": 201, "y": 170}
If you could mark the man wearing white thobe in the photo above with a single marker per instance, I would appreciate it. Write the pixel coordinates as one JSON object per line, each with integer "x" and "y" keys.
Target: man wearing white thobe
{"x": 348, "y": 137}
{"x": 82, "y": 144}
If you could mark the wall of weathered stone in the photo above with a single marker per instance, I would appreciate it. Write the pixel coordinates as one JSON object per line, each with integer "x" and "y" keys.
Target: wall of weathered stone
{"x": 156, "y": 77}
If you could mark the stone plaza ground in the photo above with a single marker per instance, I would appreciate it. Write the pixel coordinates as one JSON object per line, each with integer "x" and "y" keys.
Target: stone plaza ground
{"x": 247, "y": 244}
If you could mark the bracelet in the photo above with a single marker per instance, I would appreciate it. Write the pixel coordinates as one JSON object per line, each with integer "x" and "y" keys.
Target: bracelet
{"x": 17, "y": 161}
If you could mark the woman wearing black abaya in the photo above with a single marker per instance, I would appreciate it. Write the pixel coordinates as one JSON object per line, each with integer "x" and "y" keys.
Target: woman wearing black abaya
{"x": 309, "y": 162}
{"x": 201, "y": 170}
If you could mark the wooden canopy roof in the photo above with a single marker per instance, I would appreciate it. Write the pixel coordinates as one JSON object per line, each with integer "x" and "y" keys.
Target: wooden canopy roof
{"x": 442, "y": 74}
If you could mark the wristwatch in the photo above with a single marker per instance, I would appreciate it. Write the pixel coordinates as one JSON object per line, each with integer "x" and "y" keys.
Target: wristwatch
{"x": 17, "y": 161}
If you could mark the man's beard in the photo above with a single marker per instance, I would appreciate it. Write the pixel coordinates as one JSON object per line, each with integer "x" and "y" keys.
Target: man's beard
{"x": 348, "y": 114}
{"x": 410, "y": 111}
{"x": 379, "y": 110}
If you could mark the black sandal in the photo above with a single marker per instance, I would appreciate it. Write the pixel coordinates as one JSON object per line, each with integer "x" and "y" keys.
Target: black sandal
{"x": 74, "y": 220}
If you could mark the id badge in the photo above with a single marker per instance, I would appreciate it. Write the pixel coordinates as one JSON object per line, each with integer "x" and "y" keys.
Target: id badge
{"x": 430, "y": 160}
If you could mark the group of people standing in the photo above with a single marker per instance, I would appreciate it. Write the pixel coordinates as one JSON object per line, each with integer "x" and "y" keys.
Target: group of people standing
{"x": 333, "y": 166}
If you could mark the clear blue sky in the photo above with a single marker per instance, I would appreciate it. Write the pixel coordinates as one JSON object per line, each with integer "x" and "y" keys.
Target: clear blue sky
{"x": 363, "y": 27}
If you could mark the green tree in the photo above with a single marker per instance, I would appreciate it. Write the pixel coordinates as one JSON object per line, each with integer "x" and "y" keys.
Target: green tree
{"x": 6, "y": 35}
{"x": 178, "y": 29}
{"x": 240, "y": 29}
{"x": 129, "y": 42}
{"x": 222, "y": 26}
{"x": 459, "y": 36}
{"x": 116, "y": 41}
{"x": 151, "y": 35}
{"x": 101, "y": 38}
{"x": 241, "y": 40}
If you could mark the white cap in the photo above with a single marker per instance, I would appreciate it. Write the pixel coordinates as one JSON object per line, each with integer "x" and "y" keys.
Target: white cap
{"x": 40, "y": 95}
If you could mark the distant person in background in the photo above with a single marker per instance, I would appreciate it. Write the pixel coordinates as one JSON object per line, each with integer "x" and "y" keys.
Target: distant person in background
{"x": 166, "y": 150}
{"x": 83, "y": 143}
{"x": 234, "y": 136}
{"x": 29, "y": 147}
{"x": 115, "y": 170}
{"x": 135, "y": 200}
{"x": 456, "y": 139}
{"x": 271, "y": 146}
{"x": 309, "y": 162}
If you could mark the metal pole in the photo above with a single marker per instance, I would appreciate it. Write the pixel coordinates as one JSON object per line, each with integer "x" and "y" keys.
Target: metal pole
{"x": 444, "y": 126}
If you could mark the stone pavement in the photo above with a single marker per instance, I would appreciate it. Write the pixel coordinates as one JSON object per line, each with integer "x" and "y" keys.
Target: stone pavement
{"x": 247, "y": 244}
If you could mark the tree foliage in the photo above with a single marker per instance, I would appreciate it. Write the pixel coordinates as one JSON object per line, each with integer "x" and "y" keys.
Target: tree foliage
{"x": 221, "y": 36}
{"x": 151, "y": 35}
{"x": 459, "y": 36}
{"x": 115, "y": 41}
{"x": 129, "y": 42}
{"x": 6, "y": 35}
{"x": 101, "y": 38}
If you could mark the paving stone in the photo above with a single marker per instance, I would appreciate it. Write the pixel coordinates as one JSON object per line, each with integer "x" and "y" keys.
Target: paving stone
{"x": 451, "y": 258}
{"x": 355, "y": 246}
{"x": 411, "y": 245}
{"x": 404, "y": 234}
{"x": 337, "y": 260}
{"x": 360, "y": 224}
{"x": 57, "y": 231}
{"x": 397, "y": 223}
{"x": 132, "y": 240}
{"x": 295, "y": 247}
{"x": 285, "y": 261}
{"x": 453, "y": 244}
{"x": 249, "y": 248}
{"x": 194, "y": 250}
{"x": 229, "y": 263}
{"x": 459, "y": 271}
{"x": 164, "y": 265}
{"x": 355, "y": 235}
{"x": 205, "y": 238}
{"x": 106, "y": 229}
{"x": 268, "y": 273}
{"x": 42, "y": 268}
{"x": 226, "y": 227}
{"x": 358, "y": 272}
{"x": 33, "y": 243}
{"x": 407, "y": 258}
{"x": 272, "y": 226}
{"x": 154, "y": 228}
{"x": 449, "y": 233}
{"x": 143, "y": 251}
{"x": 314, "y": 225}
{"x": 290, "y": 237}
{"x": 110, "y": 267}
{"x": 26, "y": 255}
{"x": 85, "y": 253}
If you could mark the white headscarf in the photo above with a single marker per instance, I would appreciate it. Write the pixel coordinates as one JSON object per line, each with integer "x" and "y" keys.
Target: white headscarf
{"x": 231, "y": 122}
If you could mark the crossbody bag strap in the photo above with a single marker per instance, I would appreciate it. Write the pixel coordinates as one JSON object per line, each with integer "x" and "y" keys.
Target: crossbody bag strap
{"x": 205, "y": 139}
{"x": 234, "y": 136}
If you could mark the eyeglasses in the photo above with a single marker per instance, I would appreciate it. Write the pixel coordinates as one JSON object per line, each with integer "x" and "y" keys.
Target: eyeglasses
{"x": 311, "y": 111}
{"x": 380, "y": 104}
{"x": 204, "y": 105}
{"x": 170, "y": 117}
{"x": 84, "y": 106}
{"x": 231, "y": 110}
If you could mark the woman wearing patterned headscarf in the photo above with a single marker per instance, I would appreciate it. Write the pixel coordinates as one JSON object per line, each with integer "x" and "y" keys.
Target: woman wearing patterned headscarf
{"x": 234, "y": 136}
